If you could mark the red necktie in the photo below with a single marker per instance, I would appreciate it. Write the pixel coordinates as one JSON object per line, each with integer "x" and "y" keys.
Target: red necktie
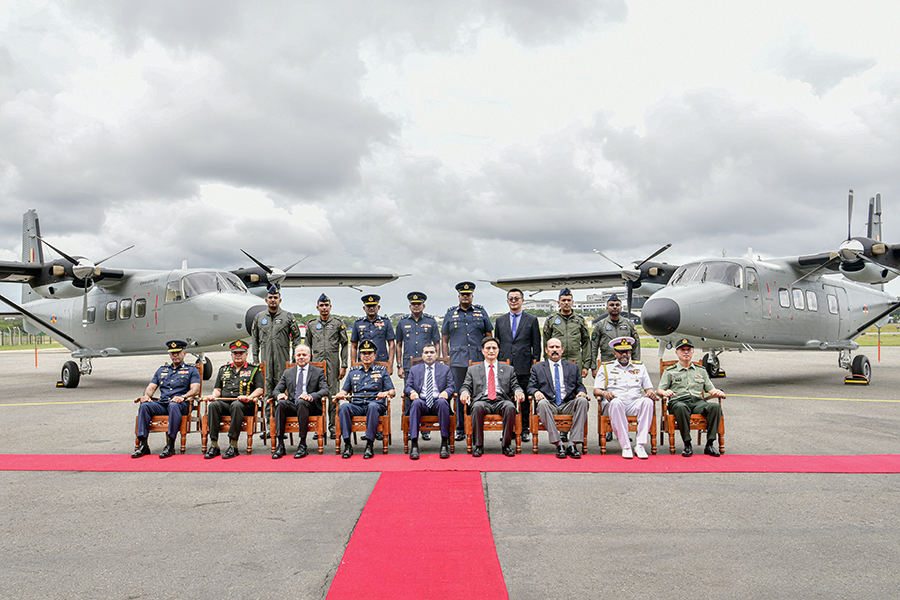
{"x": 492, "y": 386}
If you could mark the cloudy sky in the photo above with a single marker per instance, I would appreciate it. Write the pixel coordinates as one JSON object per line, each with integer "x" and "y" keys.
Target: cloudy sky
{"x": 448, "y": 140}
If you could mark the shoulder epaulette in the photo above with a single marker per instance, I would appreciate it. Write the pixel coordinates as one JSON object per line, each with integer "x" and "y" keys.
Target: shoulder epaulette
{"x": 478, "y": 306}
{"x": 452, "y": 308}
{"x": 427, "y": 315}
{"x": 670, "y": 367}
{"x": 636, "y": 362}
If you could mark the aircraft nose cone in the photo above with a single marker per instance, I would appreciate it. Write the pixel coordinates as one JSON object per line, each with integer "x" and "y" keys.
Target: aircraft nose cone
{"x": 660, "y": 316}
{"x": 251, "y": 314}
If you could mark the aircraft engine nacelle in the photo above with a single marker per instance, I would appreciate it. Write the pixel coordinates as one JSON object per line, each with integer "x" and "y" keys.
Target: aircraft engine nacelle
{"x": 58, "y": 281}
{"x": 61, "y": 289}
{"x": 866, "y": 272}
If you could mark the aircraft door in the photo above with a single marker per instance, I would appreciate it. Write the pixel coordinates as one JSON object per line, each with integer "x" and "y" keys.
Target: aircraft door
{"x": 838, "y": 307}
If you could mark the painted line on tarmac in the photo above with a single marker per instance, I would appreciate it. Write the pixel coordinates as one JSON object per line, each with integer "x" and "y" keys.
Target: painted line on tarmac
{"x": 66, "y": 402}
{"x": 810, "y": 398}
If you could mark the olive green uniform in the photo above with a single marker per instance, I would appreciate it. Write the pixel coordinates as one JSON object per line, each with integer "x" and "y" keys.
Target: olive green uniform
{"x": 328, "y": 342}
{"x": 233, "y": 382}
{"x": 688, "y": 385}
{"x": 573, "y": 333}
{"x": 273, "y": 340}
{"x": 606, "y": 331}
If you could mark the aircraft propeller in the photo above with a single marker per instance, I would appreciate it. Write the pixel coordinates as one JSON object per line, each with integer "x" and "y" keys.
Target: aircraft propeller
{"x": 632, "y": 273}
{"x": 85, "y": 270}
{"x": 274, "y": 275}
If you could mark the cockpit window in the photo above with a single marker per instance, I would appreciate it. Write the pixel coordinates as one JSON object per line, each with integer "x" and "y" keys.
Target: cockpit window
{"x": 684, "y": 274}
{"x": 211, "y": 281}
{"x": 709, "y": 272}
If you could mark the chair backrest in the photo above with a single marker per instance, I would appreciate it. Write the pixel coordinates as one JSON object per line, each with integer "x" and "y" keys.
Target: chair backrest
{"x": 418, "y": 359}
{"x": 505, "y": 362}
{"x": 377, "y": 362}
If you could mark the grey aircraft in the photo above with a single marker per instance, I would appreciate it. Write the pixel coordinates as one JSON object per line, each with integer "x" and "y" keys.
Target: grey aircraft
{"x": 96, "y": 311}
{"x": 816, "y": 302}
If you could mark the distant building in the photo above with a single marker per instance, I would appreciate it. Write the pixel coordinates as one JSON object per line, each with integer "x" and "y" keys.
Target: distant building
{"x": 549, "y": 305}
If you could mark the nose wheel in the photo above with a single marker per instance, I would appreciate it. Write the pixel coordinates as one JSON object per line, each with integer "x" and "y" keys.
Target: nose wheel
{"x": 712, "y": 366}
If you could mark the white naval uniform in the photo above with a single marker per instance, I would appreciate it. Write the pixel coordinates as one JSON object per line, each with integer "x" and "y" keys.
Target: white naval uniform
{"x": 628, "y": 384}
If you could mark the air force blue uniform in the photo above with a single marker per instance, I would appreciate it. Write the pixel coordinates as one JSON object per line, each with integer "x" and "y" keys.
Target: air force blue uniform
{"x": 171, "y": 382}
{"x": 464, "y": 330}
{"x": 379, "y": 331}
{"x": 363, "y": 386}
{"x": 415, "y": 334}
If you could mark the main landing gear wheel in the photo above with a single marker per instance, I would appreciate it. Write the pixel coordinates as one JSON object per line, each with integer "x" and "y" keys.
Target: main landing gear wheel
{"x": 711, "y": 364}
{"x": 861, "y": 366}
{"x": 207, "y": 369}
{"x": 70, "y": 375}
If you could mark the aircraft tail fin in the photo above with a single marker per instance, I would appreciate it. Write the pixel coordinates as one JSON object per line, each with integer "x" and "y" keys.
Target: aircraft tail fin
{"x": 32, "y": 248}
{"x": 874, "y": 231}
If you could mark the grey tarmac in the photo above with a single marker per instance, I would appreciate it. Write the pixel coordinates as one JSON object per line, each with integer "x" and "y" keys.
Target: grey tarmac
{"x": 751, "y": 535}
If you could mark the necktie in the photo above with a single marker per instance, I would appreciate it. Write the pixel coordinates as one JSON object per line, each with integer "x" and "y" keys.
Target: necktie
{"x": 515, "y": 323}
{"x": 492, "y": 385}
{"x": 301, "y": 383}
{"x": 556, "y": 384}
{"x": 429, "y": 387}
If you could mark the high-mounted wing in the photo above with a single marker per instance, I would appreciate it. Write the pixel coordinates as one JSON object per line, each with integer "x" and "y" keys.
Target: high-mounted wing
{"x": 557, "y": 282}
{"x": 19, "y": 272}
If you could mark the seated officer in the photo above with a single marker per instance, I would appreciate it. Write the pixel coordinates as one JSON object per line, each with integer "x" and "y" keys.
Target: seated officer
{"x": 178, "y": 383}
{"x": 368, "y": 386}
{"x": 299, "y": 394}
{"x": 682, "y": 385}
{"x": 627, "y": 387}
{"x": 429, "y": 386}
{"x": 239, "y": 384}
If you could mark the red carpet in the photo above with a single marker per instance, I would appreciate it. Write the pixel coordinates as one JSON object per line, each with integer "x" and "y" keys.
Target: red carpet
{"x": 329, "y": 463}
{"x": 406, "y": 543}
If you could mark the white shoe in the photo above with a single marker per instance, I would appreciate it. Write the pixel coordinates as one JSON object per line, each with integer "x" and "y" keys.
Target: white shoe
{"x": 627, "y": 453}
{"x": 639, "y": 451}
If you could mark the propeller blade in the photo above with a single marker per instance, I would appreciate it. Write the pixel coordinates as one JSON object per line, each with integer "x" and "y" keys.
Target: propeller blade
{"x": 849, "y": 213}
{"x": 74, "y": 261}
{"x": 601, "y": 254}
{"x": 261, "y": 266}
{"x": 84, "y": 322}
{"x": 114, "y": 255}
{"x": 654, "y": 255}
{"x": 296, "y": 263}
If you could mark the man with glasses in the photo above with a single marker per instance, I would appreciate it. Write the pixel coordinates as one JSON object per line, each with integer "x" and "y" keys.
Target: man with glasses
{"x": 569, "y": 328}
{"x": 683, "y": 385}
{"x": 238, "y": 387}
{"x": 519, "y": 336}
{"x": 628, "y": 391}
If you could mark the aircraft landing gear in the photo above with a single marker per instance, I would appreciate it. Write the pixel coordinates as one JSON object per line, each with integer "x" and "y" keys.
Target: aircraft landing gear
{"x": 71, "y": 372}
{"x": 207, "y": 366}
{"x": 860, "y": 368}
{"x": 712, "y": 366}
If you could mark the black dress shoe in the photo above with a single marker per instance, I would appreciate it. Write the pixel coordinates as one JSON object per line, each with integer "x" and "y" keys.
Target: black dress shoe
{"x": 609, "y": 435}
{"x": 279, "y": 451}
{"x": 370, "y": 450}
{"x": 445, "y": 450}
{"x": 460, "y": 436}
{"x": 315, "y": 436}
{"x": 508, "y": 450}
{"x": 379, "y": 436}
{"x": 143, "y": 450}
{"x": 560, "y": 451}
{"x": 414, "y": 453}
{"x": 711, "y": 450}
{"x": 331, "y": 433}
{"x": 231, "y": 452}
{"x": 301, "y": 451}
{"x": 688, "y": 451}
{"x": 426, "y": 436}
{"x": 573, "y": 452}
{"x": 477, "y": 451}
{"x": 212, "y": 452}
{"x": 525, "y": 436}
{"x": 564, "y": 436}
{"x": 348, "y": 450}
{"x": 167, "y": 452}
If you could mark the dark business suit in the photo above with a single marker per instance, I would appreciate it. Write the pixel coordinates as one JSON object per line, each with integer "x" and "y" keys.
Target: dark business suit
{"x": 521, "y": 350}
{"x": 316, "y": 387}
{"x": 476, "y": 385}
{"x": 541, "y": 380}
{"x": 443, "y": 382}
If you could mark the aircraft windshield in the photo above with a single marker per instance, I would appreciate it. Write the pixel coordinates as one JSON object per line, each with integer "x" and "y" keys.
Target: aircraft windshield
{"x": 709, "y": 272}
{"x": 204, "y": 283}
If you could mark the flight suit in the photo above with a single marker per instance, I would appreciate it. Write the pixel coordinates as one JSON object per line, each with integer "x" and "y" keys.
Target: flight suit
{"x": 572, "y": 331}
{"x": 233, "y": 382}
{"x": 606, "y": 331}
{"x": 465, "y": 330}
{"x": 274, "y": 338}
{"x": 688, "y": 385}
{"x": 328, "y": 342}
{"x": 171, "y": 382}
{"x": 380, "y": 332}
{"x": 363, "y": 386}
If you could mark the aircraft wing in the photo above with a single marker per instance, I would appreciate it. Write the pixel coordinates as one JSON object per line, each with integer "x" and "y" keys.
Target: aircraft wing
{"x": 337, "y": 279}
{"x": 19, "y": 272}
{"x": 811, "y": 262}
{"x": 607, "y": 279}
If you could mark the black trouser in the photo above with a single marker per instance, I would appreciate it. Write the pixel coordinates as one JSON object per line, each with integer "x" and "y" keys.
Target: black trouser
{"x": 236, "y": 409}
{"x": 525, "y": 405}
{"x": 683, "y": 408}
{"x": 302, "y": 410}
{"x": 459, "y": 377}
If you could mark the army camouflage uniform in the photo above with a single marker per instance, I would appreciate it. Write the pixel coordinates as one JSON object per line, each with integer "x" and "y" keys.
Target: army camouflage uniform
{"x": 328, "y": 342}
{"x": 573, "y": 333}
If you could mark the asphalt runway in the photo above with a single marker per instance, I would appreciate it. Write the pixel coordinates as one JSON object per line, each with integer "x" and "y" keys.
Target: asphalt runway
{"x": 260, "y": 535}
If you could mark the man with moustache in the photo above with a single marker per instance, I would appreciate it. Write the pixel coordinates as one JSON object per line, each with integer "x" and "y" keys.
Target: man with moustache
{"x": 239, "y": 385}
{"x": 557, "y": 389}
{"x": 609, "y": 328}
{"x": 429, "y": 386}
{"x": 327, "y": 338}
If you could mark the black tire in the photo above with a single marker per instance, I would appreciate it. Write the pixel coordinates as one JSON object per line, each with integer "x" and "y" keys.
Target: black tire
{"x": 207, "y": 369}
{"x": 861, "y": 366}
{"x": 711, "y": 364}
{"x": 70, "y": 375}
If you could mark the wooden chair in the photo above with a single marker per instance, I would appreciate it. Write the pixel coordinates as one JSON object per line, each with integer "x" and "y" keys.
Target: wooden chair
{"x": 190, "y": 423}
{"x": 698, "y": 422}
{"x": 248, "y": 426}
{"x": 604, "y": 425}
{"x": 429, "y": 422}
{"x": 563, "y": 423}
{"x": 493, "y": 422}
{"x": 292, "y": 425}
{"x": 358, "y": 424}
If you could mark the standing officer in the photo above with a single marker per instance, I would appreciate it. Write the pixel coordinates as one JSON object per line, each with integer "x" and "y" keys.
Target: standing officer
{"x": 374, "y": 328}
{"x": 465, "y": 326}
{"x": 178, "y": 383}
{"x": 570, "y": 329}
{"x": 609, "y": 328}
{"x": 327, "y": 338}
{"x": 369, "y": 385}
{"x": 238, "y": 386}
{"x": 519, "y": 336}
{"x": 274, "y": 336}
